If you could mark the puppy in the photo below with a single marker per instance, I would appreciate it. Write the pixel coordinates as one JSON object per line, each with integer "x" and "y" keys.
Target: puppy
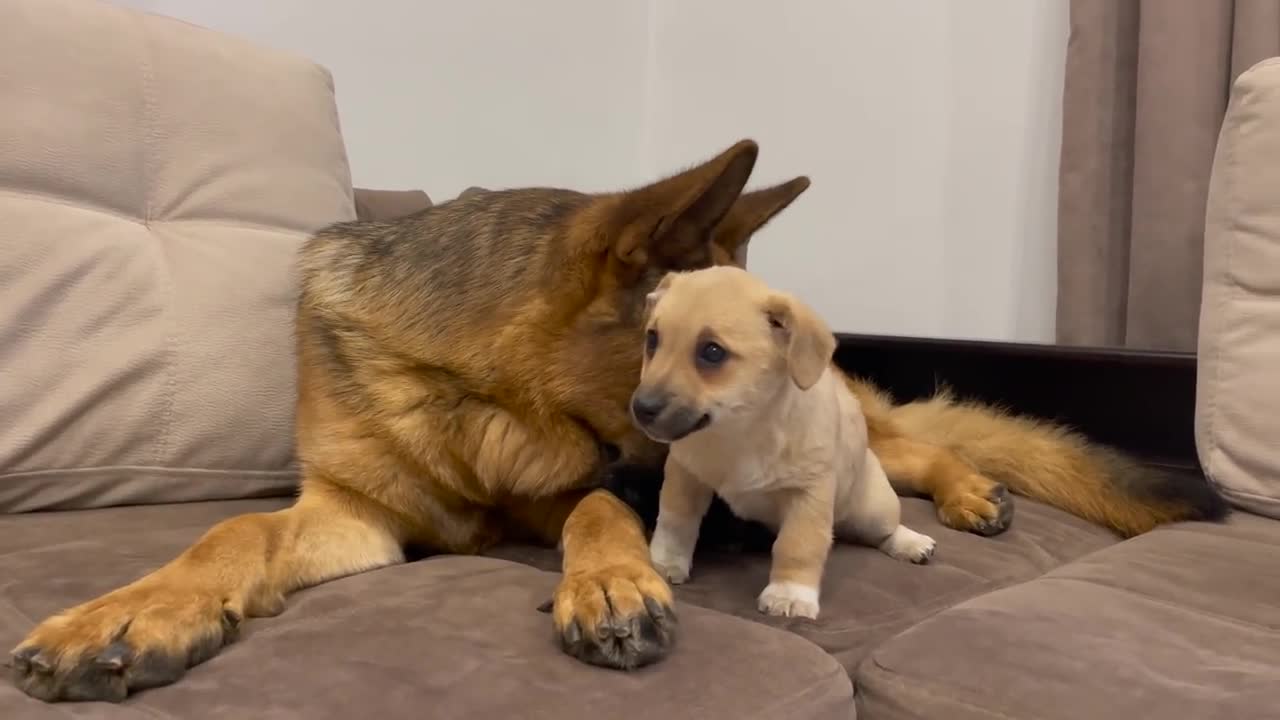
{"x": 737, "y": 379}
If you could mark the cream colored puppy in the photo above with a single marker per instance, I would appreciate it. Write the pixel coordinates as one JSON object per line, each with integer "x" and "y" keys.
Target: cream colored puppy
{"x": 738, "y": 380}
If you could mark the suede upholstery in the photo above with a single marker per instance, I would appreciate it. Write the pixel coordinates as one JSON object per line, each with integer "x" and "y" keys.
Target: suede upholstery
{"x": 1179, "y": 623}
{"x": 156, "y": 183}
{"x": 445, "y": 637}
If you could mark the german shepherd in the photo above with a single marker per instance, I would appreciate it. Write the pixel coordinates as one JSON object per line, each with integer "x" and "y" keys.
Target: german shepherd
{"x": 464, "y": 376}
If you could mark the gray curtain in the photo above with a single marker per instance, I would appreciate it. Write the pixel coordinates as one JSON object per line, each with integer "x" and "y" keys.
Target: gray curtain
{"x": 1147, "y": 83}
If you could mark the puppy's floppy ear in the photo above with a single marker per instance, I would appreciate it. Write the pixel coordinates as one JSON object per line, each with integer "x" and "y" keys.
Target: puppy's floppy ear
{"x": 669, "y": 224}
{"x": 652, "y": 298}
{"x": 751, "y": 212}
{"x": 807, "y": 341}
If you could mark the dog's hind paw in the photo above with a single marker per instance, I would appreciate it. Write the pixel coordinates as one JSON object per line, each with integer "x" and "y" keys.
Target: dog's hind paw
{"x": 978, "y": 505}
{"x": 907, "y": 544}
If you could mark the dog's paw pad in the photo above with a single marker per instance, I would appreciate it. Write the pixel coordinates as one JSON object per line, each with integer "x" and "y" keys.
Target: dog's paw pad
{"x": 980, "y": 506}
{"x": 788, "y": 599}
{"x": 909, "y": 545}
{"x": 674, "y": 574}
{"x": 670, "y": 557}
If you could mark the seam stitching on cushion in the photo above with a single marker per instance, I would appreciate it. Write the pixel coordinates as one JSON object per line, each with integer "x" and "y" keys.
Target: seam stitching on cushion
{"x": 52, "y": 199}
{"x": 8, "y": 607}
{"x": 771, "y": 710}
{"x": 1228, "y": 295}
{"x": 953, "y": 599}
{"x": 933, "y": 692}
{"x": 1188, "y": 531}
{"x": 76, "y": 472}
{"x": 336, "y": 118}
{"x": 927, "y": 610}
{"x": 153, "y": 222}
{"x": 1227, "y": 619}
{"x": 1268, "y": 499}
{"x": 150, "y": 165}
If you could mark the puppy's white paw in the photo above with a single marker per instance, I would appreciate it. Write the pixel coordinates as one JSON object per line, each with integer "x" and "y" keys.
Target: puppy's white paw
{"x": 670, "y": 560}
{"x": 674, "y": 574}
{"x": 788, "y": 599}
{"x": 907, "y": 544}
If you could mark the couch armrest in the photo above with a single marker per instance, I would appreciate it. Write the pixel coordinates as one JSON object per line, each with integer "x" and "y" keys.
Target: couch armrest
{"x": 389, "y": 204}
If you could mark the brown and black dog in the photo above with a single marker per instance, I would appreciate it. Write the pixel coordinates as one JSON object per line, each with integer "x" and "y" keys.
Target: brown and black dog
{"x": 464, "y": 376}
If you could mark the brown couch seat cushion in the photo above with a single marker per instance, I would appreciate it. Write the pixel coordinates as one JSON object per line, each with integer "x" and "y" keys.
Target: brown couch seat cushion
{"x": 446, "y": 637}
{"x": 869, "y": 597}
{"x": 1180, "y": 623}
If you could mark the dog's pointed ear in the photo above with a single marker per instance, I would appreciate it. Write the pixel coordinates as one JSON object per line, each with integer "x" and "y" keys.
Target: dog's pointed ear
{"x": 652, "y": 298}
{"x": 752, "y": 211}
{"x": 806, "y": 340}
{"x": 670, "y": 223}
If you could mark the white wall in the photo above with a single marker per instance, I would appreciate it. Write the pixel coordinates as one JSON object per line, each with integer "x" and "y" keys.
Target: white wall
{"x": 445, "y": 95}
{"x": 930, "y": 128}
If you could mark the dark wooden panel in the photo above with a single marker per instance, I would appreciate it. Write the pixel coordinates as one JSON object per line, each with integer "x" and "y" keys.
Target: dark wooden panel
{"x": 1142, "y": 402}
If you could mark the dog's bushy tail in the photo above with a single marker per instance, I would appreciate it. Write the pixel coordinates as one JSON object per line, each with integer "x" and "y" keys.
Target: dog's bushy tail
{"x": 1047, "y": 462}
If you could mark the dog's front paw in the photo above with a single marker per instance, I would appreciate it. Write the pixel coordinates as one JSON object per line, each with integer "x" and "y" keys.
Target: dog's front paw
{"x": 671, "y": 564}
{"x": 674, "y": 574}
{"x": 618, "y": 617}
{"x": 671, "y": 549}
{"x": 139, "y": 637}
{"x": 789, "y": 599}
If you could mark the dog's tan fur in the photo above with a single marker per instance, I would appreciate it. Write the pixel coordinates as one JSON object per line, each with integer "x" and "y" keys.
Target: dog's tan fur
{"x": 464, "y": 374}
{"x": 767, "y": 424}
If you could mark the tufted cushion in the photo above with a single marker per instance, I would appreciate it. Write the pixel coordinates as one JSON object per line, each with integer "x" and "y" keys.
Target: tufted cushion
{"x": 1238, "y": 386}
{"x": 446, "y": 638}
{"x": 156, "y": 179}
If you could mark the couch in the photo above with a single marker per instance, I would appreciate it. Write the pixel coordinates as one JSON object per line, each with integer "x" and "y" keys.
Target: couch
{"x": 155, "y": 181}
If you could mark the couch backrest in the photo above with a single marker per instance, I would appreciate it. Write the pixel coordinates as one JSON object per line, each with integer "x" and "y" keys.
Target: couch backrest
{"x": 1238, "y": 388}
{"x": 156, "y": 179}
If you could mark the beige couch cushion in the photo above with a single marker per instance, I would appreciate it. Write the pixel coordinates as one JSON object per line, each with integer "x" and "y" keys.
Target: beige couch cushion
{"x": 155, "y": 181}
{"x": 1238, "y": 391}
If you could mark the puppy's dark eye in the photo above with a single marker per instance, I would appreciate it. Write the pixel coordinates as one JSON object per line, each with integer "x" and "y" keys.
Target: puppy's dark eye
{"x": 651, "y": 341}
{"x": 711, "y": 354}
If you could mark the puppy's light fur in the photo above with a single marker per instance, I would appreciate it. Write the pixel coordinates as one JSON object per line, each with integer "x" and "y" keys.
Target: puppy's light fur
{"x": 764, "y": 422}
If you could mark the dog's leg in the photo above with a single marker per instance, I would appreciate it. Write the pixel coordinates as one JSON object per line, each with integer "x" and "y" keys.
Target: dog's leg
{"x": 149, "y": 632}
{"x": 874, "y": 517}
{"x": 800, "y": 553}
{"x": 542, "y": 520}
{"x": 965, "y": 500}
{"x": 681, "y": 506}
{"x": 612, "y": 608}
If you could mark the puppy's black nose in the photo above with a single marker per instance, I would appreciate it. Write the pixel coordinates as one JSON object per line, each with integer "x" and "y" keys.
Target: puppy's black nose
{"x": 647, "y": 406}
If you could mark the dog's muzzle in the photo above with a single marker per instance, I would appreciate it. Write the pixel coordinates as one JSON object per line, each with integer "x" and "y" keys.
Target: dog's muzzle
{"x": 662, "y": 418}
